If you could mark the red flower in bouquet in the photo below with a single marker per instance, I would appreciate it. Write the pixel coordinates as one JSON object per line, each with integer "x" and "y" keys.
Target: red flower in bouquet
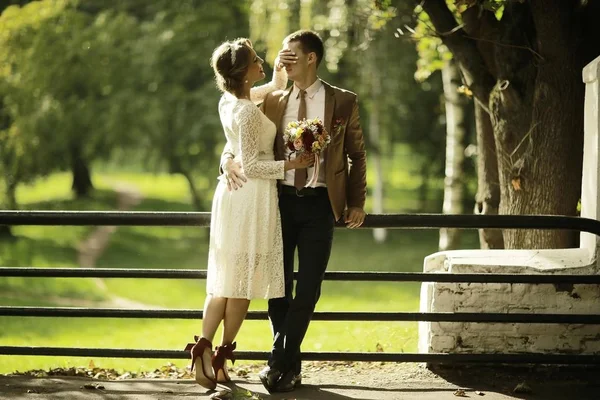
{"x": 308, "y": 135}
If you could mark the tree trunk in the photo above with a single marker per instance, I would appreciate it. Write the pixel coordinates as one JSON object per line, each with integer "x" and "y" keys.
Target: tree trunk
{"x": 82, "y": 180}
{"x": 9, "y": 204}
{"x": 534, "y": 95}
{"x": 425, "y": 173}
{"x": 455, "y": 133}
{"x": 538, "y": 127}
{"x": 306, "y": 13}
{"x": 487, "y": 200}
{"x": 6, "y": 232}
{"x": 379, "y": 234}
{"x": 197, "y": 200}
{"x": 11, "y": 195}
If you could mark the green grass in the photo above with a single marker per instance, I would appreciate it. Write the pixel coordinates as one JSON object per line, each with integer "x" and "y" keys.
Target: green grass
{"x": 186, "y": 247}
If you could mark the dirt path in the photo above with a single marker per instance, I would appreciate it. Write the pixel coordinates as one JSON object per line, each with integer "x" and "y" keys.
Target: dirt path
{"x": 327, "y": 381}
{"x": 92, "y": 247}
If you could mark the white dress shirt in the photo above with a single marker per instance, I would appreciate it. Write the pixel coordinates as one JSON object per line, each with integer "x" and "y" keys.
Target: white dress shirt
{"x": 315, "y": 108}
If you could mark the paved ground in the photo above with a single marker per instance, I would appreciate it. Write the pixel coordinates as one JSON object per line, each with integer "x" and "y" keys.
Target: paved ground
{"x": 375, "y": 382}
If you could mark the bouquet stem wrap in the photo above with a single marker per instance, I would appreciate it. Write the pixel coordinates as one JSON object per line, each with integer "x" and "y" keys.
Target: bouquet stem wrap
{"x": 315, "y": 176}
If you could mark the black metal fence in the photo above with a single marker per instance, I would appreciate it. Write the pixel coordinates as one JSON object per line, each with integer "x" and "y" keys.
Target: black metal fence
{"x": 403, "y": 221}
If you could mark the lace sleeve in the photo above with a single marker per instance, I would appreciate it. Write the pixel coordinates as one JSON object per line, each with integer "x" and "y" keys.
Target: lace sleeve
{"x": 248, "y": 121}
{"x": 278, "y": 82}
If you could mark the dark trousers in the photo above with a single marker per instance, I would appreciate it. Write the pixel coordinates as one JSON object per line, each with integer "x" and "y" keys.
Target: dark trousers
{"x": 307, "y": 224}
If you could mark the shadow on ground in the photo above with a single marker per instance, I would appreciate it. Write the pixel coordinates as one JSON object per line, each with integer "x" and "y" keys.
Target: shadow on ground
{"x": 525, "y": 382}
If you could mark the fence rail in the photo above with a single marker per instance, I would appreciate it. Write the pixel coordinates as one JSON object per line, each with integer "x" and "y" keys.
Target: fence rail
{"x": 202, "y": 219}
{"x": 557, "y": 279}
{"x": 77, "y": 312}
{"x": 403, "y": 221}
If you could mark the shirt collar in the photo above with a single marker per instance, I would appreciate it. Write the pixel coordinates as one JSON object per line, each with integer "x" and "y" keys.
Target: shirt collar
{"x": 311, "y": 91}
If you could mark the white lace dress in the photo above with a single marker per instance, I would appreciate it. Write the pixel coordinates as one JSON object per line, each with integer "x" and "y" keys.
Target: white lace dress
{"x": 245, "y": 258}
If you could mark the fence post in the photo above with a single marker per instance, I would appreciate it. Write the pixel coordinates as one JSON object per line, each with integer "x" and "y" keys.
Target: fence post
{"x": 590, "y": 186}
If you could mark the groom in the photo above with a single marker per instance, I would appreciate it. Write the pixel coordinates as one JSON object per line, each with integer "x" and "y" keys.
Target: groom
{"x": 308, "y": 215}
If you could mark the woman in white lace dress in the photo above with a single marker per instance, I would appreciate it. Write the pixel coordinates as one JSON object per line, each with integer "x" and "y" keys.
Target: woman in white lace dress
{"x": 245, "y": 258}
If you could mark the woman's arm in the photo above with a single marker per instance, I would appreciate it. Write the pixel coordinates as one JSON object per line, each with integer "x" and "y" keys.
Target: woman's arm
{"x": 248, "y": 121}
{"x": 279, "y": 80}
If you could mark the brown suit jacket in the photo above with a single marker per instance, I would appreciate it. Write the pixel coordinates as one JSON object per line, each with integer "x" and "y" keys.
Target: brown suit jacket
{"x": 345, "y": 157}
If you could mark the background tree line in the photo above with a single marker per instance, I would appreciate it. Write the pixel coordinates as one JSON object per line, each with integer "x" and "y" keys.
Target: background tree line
{"x": 87, "y": 82}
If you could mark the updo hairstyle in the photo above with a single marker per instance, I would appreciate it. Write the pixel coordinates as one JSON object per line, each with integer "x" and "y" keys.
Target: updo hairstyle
{"x": 230, "y": 61}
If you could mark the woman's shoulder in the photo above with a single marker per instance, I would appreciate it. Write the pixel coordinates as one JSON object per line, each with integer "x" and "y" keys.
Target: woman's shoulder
{"x": 244, "y": 109}
{"x": 232, "y": 102}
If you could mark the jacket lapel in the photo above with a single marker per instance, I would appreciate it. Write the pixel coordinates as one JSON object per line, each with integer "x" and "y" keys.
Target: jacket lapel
{"x": 277, "y": 119}
{"x": 328, "y": 117}
{"x": 283, "y": 100}
{"x": 329, "y": 106}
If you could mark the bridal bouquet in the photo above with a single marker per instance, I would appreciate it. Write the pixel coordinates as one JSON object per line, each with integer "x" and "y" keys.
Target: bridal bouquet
{"x": 307, "y": 136}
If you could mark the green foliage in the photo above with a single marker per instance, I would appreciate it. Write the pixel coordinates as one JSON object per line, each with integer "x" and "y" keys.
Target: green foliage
{"x": 181, "y": 122}
{"x": 433, "y": 54}
{"x": 83, "y": 78}
{"x": 60, "y": 68}
{"x": 23, "y": 108}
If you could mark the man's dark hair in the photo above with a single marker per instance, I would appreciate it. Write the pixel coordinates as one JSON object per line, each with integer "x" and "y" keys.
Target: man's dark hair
{"x": 310, "y": 42}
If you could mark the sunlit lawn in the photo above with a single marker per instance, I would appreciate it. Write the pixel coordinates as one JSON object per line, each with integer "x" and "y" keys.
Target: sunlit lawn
{"x": 186, "y": 247}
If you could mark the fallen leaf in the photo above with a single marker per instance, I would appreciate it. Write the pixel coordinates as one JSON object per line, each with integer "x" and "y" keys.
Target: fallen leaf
{"x": 522, "y": 388}
{"x": 516, "y": 182}
{"x": 126, "y": 375}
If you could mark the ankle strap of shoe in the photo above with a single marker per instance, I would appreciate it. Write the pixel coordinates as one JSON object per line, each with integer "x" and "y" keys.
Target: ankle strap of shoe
{"x": 227, "y": 351}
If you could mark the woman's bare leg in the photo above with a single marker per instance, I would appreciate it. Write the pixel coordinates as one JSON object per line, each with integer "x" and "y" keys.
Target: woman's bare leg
{"x": 214, "y": 313}
{"x": 235, "y": 313}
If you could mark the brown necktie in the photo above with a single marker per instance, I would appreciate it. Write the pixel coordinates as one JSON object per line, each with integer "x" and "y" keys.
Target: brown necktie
{"x": 301, "y": 174}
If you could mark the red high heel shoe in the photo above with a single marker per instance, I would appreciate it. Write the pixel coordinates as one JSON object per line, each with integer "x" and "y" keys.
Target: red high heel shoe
{"x": 197, "y": 351}
{"x": 222, "y": 354}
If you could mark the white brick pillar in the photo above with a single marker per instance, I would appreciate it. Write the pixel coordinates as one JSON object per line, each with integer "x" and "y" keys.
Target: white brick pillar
{"x": 590, "y": 203}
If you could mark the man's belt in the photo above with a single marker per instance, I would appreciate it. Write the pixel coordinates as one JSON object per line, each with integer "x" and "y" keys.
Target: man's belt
{"x": 307, "y": 191}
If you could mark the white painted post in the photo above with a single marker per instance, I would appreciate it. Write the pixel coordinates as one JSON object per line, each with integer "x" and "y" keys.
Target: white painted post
{"x": 590, "y": 193}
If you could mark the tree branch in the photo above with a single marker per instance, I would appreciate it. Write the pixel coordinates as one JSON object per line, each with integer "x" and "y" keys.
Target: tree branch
{"x": 476, "y": 74}
{"x": 481, "y": 25}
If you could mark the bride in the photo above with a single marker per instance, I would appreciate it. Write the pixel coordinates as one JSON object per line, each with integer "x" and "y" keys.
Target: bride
{"x": 245, "y": 259}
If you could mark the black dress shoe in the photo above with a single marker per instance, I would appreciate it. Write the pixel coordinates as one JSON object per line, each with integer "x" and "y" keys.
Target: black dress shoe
{"x": 288, "y": 382}
{"x": 269, "y": 377}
